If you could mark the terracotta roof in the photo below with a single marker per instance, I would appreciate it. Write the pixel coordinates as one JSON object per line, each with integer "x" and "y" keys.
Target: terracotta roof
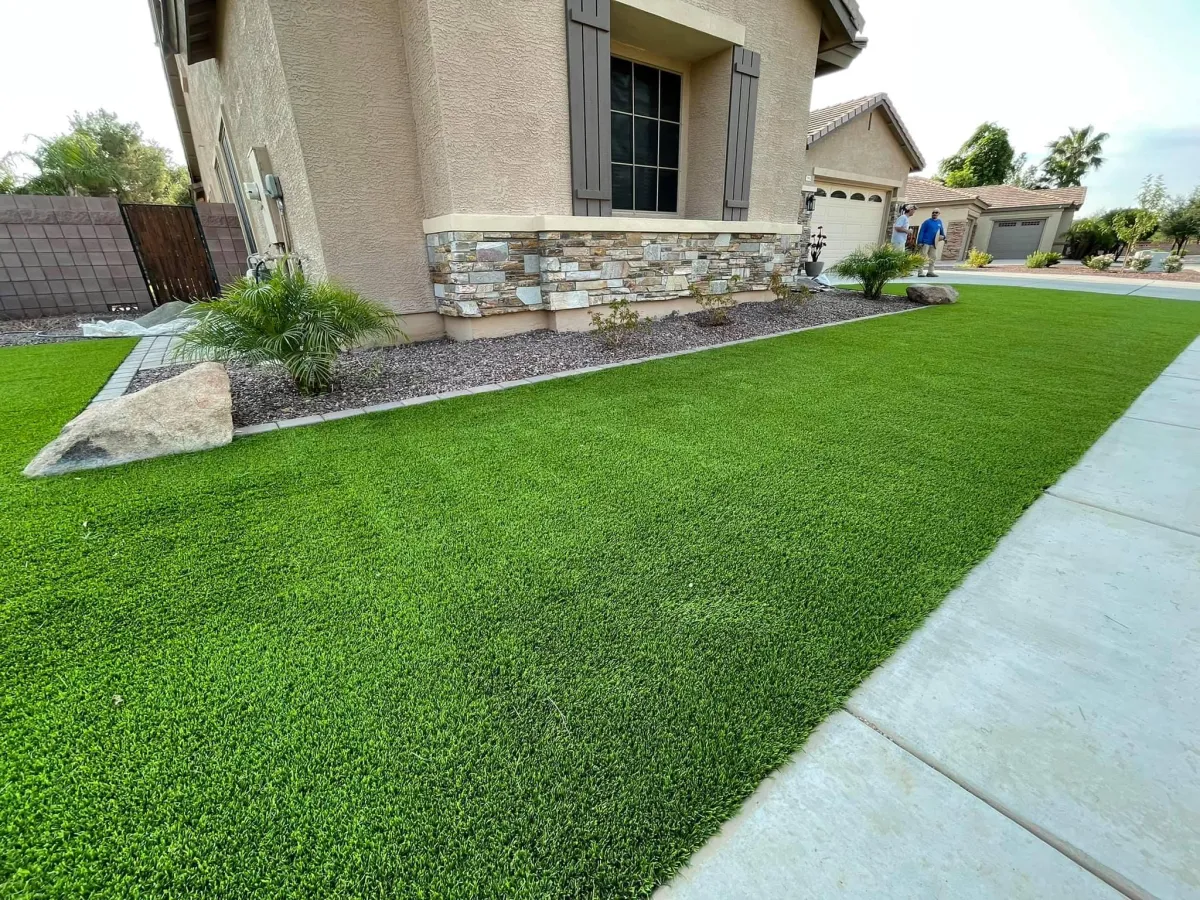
{"x": 924, "y": 191}
{"x": 1006, "y": 196}
{"x": 823, "y": 121}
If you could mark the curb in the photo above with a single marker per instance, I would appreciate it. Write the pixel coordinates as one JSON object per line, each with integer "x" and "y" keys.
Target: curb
{"x": 263, "y": 427}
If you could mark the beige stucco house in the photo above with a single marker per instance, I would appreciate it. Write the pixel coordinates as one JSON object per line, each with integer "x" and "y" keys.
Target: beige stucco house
{"x": 859, "y": 158}
{"x": 1006, "y": 221}
{"x": 493, "y": 167}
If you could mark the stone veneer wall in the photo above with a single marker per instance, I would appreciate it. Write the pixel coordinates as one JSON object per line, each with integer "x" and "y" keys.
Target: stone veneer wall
{"x": 492, "y": 272}
{"x": 956, "y": 235}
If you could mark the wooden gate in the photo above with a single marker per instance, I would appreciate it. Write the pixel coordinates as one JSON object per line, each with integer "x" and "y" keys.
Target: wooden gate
{"x": 171, "y": 251}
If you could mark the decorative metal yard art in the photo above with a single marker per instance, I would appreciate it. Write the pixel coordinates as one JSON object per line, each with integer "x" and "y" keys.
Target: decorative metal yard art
{"x": 816, "y": 244}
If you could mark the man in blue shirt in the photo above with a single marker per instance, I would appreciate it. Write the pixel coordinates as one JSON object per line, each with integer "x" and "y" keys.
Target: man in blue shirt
{"x": 931, "y": 232}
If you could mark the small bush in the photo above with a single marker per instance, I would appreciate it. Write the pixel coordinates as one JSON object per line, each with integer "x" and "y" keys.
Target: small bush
{"x": 1101, "y": 262}
{"x": 620, "y": 325}
{"x": 876, "y": 266}
{"x": 1139, "y": 262}
{"x": 1043, "y": 259}
{"x": 286, "y": 319}
{"x": 788, "y": 298}
{"x": 716, "y": 304}
{"x": 1173, "y": 264}
{"x": 977, "y": 259}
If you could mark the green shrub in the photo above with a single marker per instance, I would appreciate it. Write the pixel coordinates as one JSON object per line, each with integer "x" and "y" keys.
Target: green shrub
{"x": 977, "y": 259}
{"x": 1043, "y": 259}
{"x": 1090, "y": 237}
{"x": 1101, "y": 262}
{"x": 876, "y": 266}
{"x": 286, "y": 319}
{"x": 1139, "y": 262}
{"x": 621, "y": 324}
{"x": 1173, "y": 264}
{"x": 716, "y": 304}
{"x": 788, "y": 298}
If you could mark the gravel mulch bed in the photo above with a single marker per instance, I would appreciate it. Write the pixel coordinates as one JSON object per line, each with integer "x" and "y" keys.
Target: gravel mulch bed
{"x": 51, "y": 329}
{"x": 1185, "y": 275}
{"x": 367, "y": 377}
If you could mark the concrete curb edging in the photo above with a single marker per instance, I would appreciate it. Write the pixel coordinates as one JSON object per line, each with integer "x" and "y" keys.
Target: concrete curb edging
{"x": 301, "y": 421}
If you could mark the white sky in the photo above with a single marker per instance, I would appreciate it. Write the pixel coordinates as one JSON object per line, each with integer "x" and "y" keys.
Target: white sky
{"x": 1034, "y": 66}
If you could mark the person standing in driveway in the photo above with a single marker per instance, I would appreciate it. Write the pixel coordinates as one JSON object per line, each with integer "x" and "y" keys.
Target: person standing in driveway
{"x": 900, "y": 226}
{"x": 931, "y": 232}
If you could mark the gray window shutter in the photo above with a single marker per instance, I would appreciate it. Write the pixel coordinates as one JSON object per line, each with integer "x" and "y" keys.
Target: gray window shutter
{"x": 739, "y": 147}
{"x": 588, "y": 65}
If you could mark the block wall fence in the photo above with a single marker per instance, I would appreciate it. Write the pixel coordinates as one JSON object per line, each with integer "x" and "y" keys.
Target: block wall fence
{"x": 73, "y": 255}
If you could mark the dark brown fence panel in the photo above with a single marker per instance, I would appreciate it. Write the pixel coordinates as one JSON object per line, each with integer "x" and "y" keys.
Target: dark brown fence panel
{"x": 170, "y": 248}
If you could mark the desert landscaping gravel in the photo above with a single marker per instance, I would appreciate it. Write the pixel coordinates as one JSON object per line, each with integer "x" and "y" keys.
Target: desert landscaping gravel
{"x": 49, "y": 329}
{"x": 366, "y": 377}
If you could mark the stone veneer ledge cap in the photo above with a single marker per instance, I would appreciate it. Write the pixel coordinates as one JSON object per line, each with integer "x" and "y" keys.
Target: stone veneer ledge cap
{"x": 500, "y": 223}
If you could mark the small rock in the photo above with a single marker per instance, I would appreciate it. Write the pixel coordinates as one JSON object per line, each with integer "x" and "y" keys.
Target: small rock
{"x": 932, "y": 294}
{"x": 192, "y": 411}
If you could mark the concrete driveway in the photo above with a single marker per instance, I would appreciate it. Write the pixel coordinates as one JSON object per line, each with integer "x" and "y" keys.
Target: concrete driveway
{"x": 1039, "y": 736}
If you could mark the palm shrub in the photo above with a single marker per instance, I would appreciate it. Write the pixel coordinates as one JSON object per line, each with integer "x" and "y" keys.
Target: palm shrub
{"x": 1043, "y": 259}
{"x": 876, "y": 266}
{"x": 287, "y": 319}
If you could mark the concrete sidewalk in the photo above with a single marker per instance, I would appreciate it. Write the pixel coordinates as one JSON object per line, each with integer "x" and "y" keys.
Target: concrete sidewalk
{"x": 1095, "y": 284}
{"x": 1039, "y": 736}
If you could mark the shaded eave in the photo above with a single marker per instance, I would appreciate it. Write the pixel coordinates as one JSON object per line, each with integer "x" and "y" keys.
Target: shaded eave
{"x": 841, "y": 35}
{"x": 186, "y": 27}
{"x": 875, "y": 101}
{"x": 161, "y": 12}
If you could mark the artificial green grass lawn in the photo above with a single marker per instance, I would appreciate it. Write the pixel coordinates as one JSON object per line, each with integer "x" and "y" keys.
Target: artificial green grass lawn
{"x": 533, "y": 643}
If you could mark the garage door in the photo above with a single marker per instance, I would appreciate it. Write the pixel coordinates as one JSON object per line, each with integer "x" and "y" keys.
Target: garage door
{"x": 1015, "y": 239}
{"x": 851, "y": 216}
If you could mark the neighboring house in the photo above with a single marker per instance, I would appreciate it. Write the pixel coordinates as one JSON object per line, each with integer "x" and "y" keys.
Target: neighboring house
{"x": 487, "y": 168}
{"x": 859, "y": 159}
{"x": 960, "y": 212}
{"x": 1006, "y": 221}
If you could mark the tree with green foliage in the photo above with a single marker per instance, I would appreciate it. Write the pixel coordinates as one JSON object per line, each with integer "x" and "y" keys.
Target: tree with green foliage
{"x": 1182, "y": 225}
{"x": 1090, "y": 237}
{"x": 1073, "y": 155}
{"x": 986, "y": 158}
{"x": 102, "y": 156}
{"x": 1153, "y": 195}
{"x": 1024, "y": 174}
{"x": 1133, "y": 225}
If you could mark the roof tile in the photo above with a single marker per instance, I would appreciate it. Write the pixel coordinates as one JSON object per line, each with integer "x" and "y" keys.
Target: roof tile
{"x": 994, "y": 196}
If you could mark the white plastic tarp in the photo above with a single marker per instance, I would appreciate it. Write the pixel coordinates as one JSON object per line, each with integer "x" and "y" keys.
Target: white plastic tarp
{"x": 126, "y": 328}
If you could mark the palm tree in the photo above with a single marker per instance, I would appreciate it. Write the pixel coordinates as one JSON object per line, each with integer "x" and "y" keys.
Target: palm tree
{"x": 1072, "y": 155}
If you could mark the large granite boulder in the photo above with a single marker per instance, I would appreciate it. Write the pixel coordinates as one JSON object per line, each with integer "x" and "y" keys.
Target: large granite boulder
{"x": 932, "y": 294}
{"x": 192, "y": 411}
